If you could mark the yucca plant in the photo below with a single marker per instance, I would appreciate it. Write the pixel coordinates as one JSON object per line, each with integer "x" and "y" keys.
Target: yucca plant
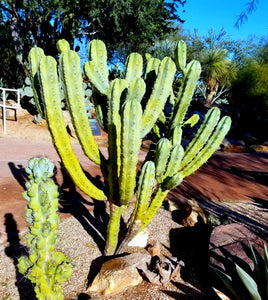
{"x": 243, "y": 285}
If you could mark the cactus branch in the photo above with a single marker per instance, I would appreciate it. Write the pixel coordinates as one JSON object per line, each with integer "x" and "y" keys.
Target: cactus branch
{"x": 51, "y": 94}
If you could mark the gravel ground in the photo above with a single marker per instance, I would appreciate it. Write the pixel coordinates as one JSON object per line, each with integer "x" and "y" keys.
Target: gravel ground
{"x": 81, "y": 248}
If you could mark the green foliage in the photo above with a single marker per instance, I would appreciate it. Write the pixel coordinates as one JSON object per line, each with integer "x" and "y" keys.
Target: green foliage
{"x": 45, "y": 267}
{"x": 250, "y": 90}
{"x": 25, "y": 24}
{"x": 128, "y": 108}
{"x": 242, "y": 284}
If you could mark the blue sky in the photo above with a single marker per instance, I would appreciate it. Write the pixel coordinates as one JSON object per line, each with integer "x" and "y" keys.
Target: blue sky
{"x": 207, "y": 14}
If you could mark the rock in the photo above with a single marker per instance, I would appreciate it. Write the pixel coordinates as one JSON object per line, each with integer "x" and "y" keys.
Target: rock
{"x": 186, "y": 211}
{"x": 229, "y": 145}
{"x": 229, "y": 240}
{"x": 259, "y": 148}
{"x": 155, "y": 249}
{"x": 119, "y": 273}
{"x": 140, "y": 240}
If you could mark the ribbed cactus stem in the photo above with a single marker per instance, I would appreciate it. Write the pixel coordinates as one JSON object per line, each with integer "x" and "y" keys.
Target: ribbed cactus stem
{"x": 113, "y": 228}
{"x": 202, "y": 135}
{"x": 136, "y": 90}
{"x": 51, "y": 95}
{"x": 133, "y": 68}
{"x": 96, "y": 67}
{"x": 161, "y": 91}
{"x": 45, "y": 267}
{"x": 191, "y": 75}
{"x": 180, "y": 55}
{"x": 153, "y": 208}
{"x": 161, "y": 158}
{"x": 145, "y": 189}
{"x": 221, "y": 130}
{"x": 114, "y": 141}
{"x": 71, "y": 76}
{"x": 34, "y": 58}
{"x": 130, "y": 147}
{"x": 62, "y": 45}
{"x": 176, "y": 135}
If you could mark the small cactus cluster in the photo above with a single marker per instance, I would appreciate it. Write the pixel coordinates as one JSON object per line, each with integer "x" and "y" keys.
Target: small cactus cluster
{"x": 45, "y": 267}
{"x": 129, "y": 108}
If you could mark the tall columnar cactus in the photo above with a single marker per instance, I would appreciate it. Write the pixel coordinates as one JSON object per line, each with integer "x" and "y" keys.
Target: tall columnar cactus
{"x": 128, "y": 109}
{"x": 45, "y": 267}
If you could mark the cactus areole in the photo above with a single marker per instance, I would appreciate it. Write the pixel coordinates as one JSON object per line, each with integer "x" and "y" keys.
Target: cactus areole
{"x": 128, "y": 109}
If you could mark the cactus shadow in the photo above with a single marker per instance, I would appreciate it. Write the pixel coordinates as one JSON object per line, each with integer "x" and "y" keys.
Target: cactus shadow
{"x": 15, "y": 250}
{"x": 191, "y": 245}
{"x": 91, "y": 215}
{"x": 19, "y": 173}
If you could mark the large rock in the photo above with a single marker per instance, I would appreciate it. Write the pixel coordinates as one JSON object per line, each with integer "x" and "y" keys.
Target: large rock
{"x": 119, "y": 273}
{"x": 228, "y": 241}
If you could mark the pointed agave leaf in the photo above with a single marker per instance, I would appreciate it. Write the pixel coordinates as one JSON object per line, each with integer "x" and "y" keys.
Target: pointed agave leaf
{"x": 266, "y": 268}
{"x": 249, "y": 283}
{"x": 227, "y": 281}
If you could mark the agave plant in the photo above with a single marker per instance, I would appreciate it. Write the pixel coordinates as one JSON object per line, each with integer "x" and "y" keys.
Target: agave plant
{"x": 245, "y": 285}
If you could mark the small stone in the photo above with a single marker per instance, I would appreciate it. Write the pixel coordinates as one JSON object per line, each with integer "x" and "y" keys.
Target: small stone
{"x": 155, "y": 249}
{"x": 119, "y": 273}
{"x": 140, "y": 240}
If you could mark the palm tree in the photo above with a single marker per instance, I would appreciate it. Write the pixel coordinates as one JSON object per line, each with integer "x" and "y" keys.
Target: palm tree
{"x": 217, "y": 74}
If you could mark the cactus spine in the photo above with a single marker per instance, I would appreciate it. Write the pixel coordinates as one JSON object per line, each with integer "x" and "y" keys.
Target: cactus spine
{"x": 128, "y": 109}
{"x": 45, "y": 267}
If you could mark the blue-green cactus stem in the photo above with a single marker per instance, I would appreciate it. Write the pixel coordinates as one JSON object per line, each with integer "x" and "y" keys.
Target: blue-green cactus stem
{"x": 153, "y": 208}
{"x": 161, "y": 158}
{"x": 133, "y": 68}
{"x": 34, "y": 57}
{"x": 62, "y": 45}
{"x": 145, "y": 189}
{"x": 174, "y": 161}
{"x": 130, "y": 147}
{"x": 96, "y": 67}
{"x": 192, "y": 121}
{"x": 176, "y": 135}
{"x": 114, "y": 142}
{"x": 51, "y": 95}
{"x": 113, "y": 228}
{"x": 213, "y": 143}
{"x": 159, "y": 96}
{"x": 71, "y": 76}
{"x": 186, "y": 91}
{"x": 202, "y": 135}
{"x": 136, "y": 90}
{"x": 180, "y": 55}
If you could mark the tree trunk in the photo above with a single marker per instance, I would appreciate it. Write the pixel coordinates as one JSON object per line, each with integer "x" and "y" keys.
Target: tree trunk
{"x": 212, "y": 88}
